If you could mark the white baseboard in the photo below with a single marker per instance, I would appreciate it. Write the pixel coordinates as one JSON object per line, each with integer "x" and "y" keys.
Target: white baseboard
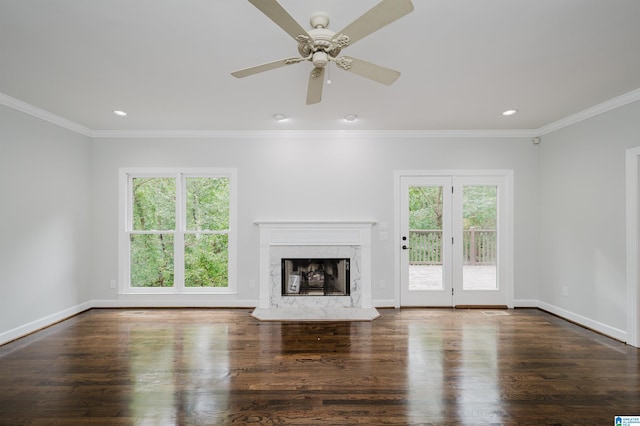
{"x": 36, "y": 325}
{"x": 384, "y": 303}
{"x": 584, "y": 321}
{"x": 41, "y": 323}
{"x": 526, "y": 303}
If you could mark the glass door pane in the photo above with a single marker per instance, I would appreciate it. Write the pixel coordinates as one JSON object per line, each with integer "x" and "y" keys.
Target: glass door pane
{"x": 480, "y": 237}
{"x": 425, "y": 238}
{"x": 426, "y": 241}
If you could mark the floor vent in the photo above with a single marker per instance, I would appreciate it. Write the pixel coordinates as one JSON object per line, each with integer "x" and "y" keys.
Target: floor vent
{"x": 493, "y": 313}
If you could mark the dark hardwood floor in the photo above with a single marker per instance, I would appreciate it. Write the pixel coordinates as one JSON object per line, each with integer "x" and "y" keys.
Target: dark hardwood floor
{"x": 221, "y": 366}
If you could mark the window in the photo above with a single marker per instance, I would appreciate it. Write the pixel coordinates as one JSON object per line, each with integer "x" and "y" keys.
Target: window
{"x": 177, "y": 231}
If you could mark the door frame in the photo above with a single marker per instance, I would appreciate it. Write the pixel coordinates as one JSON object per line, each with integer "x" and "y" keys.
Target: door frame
{"x": 632, "y": 158}
{"x": 507, "y": 276}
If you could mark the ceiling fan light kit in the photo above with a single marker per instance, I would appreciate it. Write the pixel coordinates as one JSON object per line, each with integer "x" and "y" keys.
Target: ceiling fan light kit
{"x": 321, "y": 45}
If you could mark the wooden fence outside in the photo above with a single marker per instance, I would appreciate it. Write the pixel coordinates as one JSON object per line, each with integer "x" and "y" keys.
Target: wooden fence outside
{"x": 479, "y": 247}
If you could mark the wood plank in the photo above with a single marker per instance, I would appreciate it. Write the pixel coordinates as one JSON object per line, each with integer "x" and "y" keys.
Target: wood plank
{"x": 410, "y": 366}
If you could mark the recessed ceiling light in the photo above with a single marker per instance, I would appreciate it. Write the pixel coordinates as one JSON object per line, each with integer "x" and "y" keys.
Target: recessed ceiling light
{"x": 279, "y": 117}
{"x": 350, "y": 117}
{"x": 509, "y": 112}
{"x": 120, "y": 113}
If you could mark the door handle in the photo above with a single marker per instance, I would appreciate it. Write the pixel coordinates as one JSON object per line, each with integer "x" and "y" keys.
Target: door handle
{"x": 406, "y": 248}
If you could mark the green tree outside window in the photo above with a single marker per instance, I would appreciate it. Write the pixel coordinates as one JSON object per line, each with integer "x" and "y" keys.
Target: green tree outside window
{"x": 200, "y": 226}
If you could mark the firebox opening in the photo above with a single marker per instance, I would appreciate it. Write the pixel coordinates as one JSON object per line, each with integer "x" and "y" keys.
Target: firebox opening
{"x": 315, "y": 277}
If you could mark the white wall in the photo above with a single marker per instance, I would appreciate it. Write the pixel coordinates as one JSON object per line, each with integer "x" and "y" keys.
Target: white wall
{"x": 59, "y": 214}
{"x": 582, "y": 219}
{"x": 44, "y": 222}
{"x": 309, "y": 179}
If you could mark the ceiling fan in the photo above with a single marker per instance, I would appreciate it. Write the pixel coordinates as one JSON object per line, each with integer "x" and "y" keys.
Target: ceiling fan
{"x": 321, "y": 45}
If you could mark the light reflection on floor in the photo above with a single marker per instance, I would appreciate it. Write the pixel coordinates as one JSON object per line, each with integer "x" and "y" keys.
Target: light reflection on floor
{"x": 155, "y": 398}
{"x": 454, "y": 381}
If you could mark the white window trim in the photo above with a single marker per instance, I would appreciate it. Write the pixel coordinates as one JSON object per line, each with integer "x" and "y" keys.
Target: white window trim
{"x": 124, "y": 215}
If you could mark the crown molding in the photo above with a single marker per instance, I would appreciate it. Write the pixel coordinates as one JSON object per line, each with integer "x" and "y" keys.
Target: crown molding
{"x": 310, "y": 134}
{"x": 42, "y": 114}
{"x": 596, "y": 110}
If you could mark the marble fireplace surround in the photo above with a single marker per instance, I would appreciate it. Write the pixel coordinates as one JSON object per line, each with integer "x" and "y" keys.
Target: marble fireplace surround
{"x": 315, "y": 239}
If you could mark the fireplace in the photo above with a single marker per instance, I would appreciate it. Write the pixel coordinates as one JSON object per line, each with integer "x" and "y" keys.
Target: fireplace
{"x": 341, "y": 248}
{"x": 315, "y": 277}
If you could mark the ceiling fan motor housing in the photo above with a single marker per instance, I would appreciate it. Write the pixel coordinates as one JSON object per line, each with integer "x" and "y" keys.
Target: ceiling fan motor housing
{"x": 321, "y": 46}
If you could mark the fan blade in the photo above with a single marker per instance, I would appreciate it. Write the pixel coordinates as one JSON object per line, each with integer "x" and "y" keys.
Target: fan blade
{"x": 280, "y": 16}
{"x": 316, "y": 80}
{"x": 266, "y": 67}
{"x": 379, "y": 16}
{"x": 368, "y": 70}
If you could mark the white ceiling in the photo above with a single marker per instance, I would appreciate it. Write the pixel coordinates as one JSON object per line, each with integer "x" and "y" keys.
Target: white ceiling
{"x": 168, "y": 63}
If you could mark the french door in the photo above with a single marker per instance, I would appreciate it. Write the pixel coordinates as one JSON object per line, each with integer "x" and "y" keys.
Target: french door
{"x": 453, "y": 247}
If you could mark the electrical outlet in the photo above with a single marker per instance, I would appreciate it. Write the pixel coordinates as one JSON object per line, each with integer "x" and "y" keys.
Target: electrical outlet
{"x": 383, "y": 284}
{"x": 565, "y": 291}
{"x": 112, "y": 283}
{"x": 252, "y": 283}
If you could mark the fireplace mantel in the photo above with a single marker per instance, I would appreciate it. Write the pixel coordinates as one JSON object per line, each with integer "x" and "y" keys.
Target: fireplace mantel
{"x": 315, "y": 238}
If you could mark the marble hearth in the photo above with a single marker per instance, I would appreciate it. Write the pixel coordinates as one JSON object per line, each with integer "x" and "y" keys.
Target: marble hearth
{"x": 315, "y": 239}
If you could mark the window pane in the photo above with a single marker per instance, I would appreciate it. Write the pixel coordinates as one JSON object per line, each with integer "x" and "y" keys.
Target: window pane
{"x": 480, "y": 246}
{"x": 205, "y": 263}
{"x": 152, "y": 260}
{"x": 425, "y": 238}
{"x": 154, "y": 201}
{"x": 207, "y": 204}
